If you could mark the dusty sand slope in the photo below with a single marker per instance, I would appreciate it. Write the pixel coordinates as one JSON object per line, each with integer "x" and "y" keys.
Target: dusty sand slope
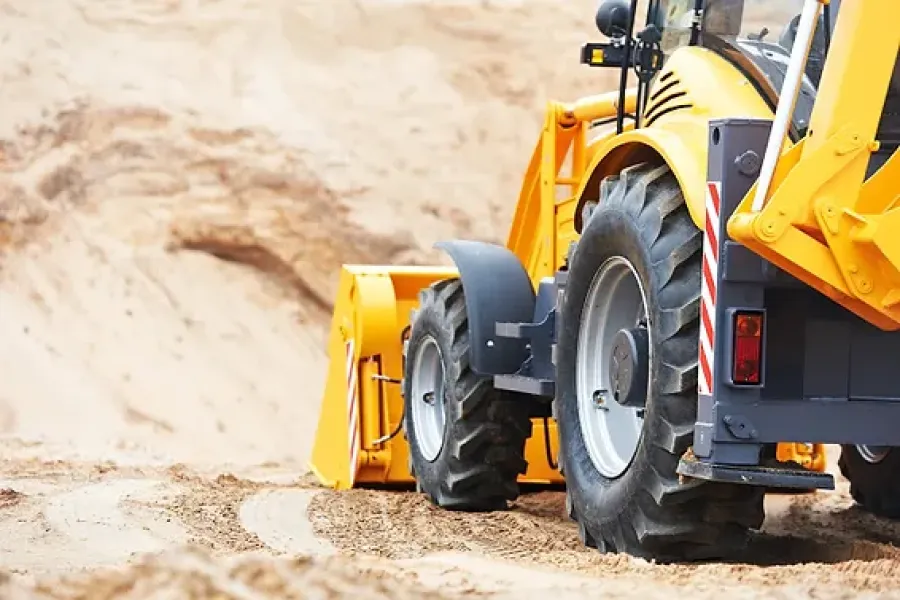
{"x": 149, "y": 345}
{"x": 287, "y": 136}
{"x": 178, "y": 183}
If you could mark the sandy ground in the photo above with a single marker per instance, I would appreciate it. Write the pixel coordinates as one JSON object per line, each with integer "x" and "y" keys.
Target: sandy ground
{"x": 179, "y": 181}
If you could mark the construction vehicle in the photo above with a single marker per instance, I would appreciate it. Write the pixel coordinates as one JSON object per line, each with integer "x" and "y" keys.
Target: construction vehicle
{"x": 715, "y": 298}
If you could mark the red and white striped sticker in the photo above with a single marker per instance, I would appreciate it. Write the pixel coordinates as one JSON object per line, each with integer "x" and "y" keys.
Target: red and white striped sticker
{"x": 352, "y": 412}
{"x": 708, "y": 288}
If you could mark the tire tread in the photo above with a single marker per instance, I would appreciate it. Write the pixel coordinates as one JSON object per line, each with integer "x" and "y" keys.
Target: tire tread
{"x": 483, "y": 454}
{"x": 669, "y": 519}
{"x": 874, "y": 487}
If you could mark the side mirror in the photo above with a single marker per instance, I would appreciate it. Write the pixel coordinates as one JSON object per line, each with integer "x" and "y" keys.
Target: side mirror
{"x": 612, "y": 18}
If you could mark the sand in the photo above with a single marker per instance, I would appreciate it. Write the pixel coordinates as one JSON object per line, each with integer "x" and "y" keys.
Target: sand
{"x": 179, "y": 183}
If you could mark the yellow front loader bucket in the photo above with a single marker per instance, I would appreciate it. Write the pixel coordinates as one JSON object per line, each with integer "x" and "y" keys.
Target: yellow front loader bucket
{"x": 359, "y": 439}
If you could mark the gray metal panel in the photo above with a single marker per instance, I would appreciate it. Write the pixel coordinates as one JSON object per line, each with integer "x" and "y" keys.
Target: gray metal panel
{"x": 874, "y": 360}
{"x": 829, "y": 376}
{"x": 786, "y": 343}
{"x": 827, "y": 421}
{"x": 826, "y": 354}
{"x": 740, "y": 265}
{"x": 735, "y": 150}
{"x": 537, "y": 374}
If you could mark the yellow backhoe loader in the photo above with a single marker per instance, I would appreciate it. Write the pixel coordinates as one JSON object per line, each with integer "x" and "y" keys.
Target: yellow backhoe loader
{"x": 716, "y": 296}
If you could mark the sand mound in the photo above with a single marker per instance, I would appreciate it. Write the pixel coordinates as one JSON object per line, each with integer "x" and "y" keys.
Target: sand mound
{"x": 818, "y": 541}
{"x": 150, "y": 344}
{"x": 193, "y": 574}
{"x": 151, "y": 152}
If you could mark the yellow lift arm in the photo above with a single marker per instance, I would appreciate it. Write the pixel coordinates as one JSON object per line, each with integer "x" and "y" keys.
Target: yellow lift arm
{"x": 812, "y": 212}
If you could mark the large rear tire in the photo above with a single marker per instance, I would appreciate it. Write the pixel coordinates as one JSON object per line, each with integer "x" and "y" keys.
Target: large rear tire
{"x": 644, "y": 250}
{"x": 466, "y": 438}
{"x": 874, "y": 475}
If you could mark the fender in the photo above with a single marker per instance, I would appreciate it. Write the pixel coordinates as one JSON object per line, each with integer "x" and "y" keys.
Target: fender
{"x": 709, "y": 87}
{"x": 497, "y": 290}
{"x": 685, "y": 153}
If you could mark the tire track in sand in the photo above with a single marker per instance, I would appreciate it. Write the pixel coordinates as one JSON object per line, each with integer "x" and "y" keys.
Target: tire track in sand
{"x": 92, "y": 519}
{"x": 278, "y": 517}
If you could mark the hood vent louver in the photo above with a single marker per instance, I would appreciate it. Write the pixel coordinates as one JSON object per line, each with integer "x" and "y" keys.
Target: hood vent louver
{"x": 669, "y": 96}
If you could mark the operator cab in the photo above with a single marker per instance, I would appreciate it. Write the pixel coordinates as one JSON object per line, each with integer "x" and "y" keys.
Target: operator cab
{"x": 756, "y": 36}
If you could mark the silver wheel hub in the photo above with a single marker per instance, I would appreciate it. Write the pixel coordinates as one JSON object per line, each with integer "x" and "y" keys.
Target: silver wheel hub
{"x": 873, "y": 454}
{"x": 428, "y": 401}
{"x": 615, "y": 301}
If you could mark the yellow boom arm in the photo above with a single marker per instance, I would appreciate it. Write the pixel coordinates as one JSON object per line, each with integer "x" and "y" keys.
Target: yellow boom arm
{"x": 820, "y": 219}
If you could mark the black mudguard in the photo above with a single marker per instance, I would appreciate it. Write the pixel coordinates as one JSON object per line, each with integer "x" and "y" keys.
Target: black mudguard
{"x": 497, "y": 290}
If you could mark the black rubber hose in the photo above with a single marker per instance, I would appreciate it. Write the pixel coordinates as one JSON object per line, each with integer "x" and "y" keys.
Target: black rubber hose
{"x": 547, "y": 447}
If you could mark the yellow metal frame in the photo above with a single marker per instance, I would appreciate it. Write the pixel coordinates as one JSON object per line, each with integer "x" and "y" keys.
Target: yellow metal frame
{"x": 549, "y": 201}
{"x": 360, "y": 406}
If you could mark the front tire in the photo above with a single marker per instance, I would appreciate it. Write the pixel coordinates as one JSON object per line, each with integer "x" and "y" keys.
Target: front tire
{"x": 466, "y": 439}
{"x": 632, "y": 500}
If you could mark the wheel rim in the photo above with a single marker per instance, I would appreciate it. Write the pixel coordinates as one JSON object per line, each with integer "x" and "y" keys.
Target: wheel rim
{"x": 611, "y": 432}
{"x": 428, "y": 398}
{"x": 873, "y": 454}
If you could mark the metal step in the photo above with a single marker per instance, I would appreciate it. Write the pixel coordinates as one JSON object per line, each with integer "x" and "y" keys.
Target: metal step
{"x": 785, "y": 477}
{"x": 525, "y": 384}
{"x": 517, "y": 331}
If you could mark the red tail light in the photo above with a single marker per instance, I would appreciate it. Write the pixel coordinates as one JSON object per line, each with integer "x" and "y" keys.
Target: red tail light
{"x": 747, "y": 366}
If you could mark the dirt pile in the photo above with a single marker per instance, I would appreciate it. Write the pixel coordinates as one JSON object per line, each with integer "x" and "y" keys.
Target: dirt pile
{"x": 193, "y": 575}
{"x": 9, "y": 497}
{"x": 150, "y": 152}
{"x": 157, "y": 345}
{"x": 819, "y": 541}
{"x": 237, "y": 194}
{"x": 71, "y": 515}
